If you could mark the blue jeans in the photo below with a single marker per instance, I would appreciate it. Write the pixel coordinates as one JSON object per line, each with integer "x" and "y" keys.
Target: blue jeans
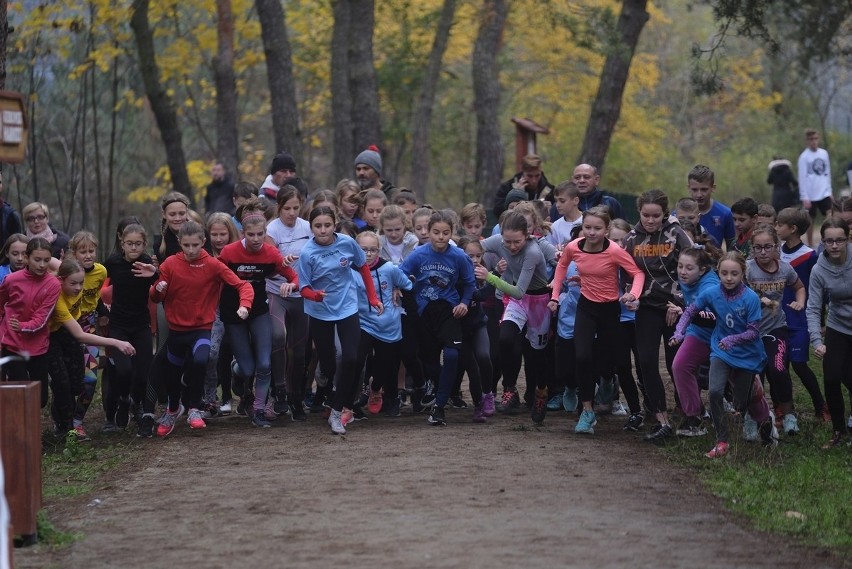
{"x": 251, "y": 342}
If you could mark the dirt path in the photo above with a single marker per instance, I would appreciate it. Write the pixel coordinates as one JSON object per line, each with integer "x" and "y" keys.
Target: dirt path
{"x": 398, "y": 493}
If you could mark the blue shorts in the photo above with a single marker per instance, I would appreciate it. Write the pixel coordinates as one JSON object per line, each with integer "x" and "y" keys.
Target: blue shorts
{"x": 798, "y": 345}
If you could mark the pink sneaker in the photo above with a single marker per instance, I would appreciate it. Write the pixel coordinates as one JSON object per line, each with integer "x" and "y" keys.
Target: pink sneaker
{"x": 718, "y": 451}
{"x": 346, "y": 416}
{"x": 374, "y": 403}
{"x": 195, "y": 419}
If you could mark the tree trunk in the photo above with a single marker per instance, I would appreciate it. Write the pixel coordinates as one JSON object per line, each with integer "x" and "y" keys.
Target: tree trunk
{"x": 426, "y": 101}
{"x": 161, "y": 103}
{"x": 4, "y": 31}
{"x": 282, "y": 85}
{"x": 486, "y": 95}
{"x": 363, "y": 84}
{"x": 607, "y": 105}
{"x": 227, "y": 146}
{"x": 341, "y": 98}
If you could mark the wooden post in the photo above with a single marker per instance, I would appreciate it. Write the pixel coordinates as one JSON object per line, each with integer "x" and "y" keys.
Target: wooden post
{"x": 20, "y": 447}
{"x": 525, "y": 138}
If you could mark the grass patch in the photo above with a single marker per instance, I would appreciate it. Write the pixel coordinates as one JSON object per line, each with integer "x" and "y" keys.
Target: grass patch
{"x": 797, "y": 488}
{"x": 49, "y": 535}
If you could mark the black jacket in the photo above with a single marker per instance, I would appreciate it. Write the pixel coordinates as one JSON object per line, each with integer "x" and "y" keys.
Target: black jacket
{"x": 542, "y": 191}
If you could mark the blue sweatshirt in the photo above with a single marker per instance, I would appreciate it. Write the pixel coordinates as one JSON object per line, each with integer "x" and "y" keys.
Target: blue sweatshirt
{"x": 386, "y": 327}
{"x": 446, "y": 276}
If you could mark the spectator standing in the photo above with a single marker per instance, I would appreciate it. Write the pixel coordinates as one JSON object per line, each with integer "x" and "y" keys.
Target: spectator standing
{"x": 530, "y": 180}
{"x": 220, "y": 191}
{"x": 785, "y": 188}
{"x": 815, "y": 179}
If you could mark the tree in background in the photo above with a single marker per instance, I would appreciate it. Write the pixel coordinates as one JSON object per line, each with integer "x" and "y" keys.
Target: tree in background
{"x": 227, "y": 143}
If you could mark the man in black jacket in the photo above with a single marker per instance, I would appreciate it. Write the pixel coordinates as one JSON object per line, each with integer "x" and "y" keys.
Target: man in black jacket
{"x": 530, "y": 179}
{"x": 220, "y": 192}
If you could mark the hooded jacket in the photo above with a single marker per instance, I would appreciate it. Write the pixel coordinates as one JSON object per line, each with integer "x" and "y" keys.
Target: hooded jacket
{"x": 409, "y": 242}
{"x": 386, "y": 326}
{"x": 702, "y": 325}
{"x": 656, "y": 255}
{"x": 833, "y": 284}
{"x": 542, "y": 191}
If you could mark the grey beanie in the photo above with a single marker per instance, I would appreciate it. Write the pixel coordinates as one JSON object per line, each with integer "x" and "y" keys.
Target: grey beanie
{"x": 515, "y": 196}
{"x": 371, "y": 158}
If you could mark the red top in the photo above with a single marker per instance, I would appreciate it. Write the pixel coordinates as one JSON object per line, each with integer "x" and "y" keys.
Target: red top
{"x": 192, "y": 296}
{"x": 30, "y": 299}
{"x": 598, "y": 271}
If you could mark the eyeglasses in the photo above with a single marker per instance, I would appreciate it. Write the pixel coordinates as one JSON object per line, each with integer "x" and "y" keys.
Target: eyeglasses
{"x": 763, "y": 247}
{"x": 370, "y": 250}
{"x": 134, "y": 244}
{"x": 830, "y": 242}
{"x": 41, "y": 217}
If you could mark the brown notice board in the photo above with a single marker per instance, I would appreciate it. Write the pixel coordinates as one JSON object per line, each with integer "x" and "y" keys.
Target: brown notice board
{"x": 13, "y": 128}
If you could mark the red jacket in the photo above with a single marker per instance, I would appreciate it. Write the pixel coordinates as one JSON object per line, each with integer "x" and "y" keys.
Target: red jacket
{"x": 31, "y": 300}
{"x": 192, "y": 295}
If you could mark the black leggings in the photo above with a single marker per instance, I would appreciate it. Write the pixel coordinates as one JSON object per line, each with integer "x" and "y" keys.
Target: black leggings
{"x": 624, "y": 367}
{"x": 837, "y": 371}
{"x": 349, "y": 332}
{"x": 565, "y": 364}
{"x": 129, "y": 374}
{"x": 809, "y": 380}
{"x": 777, "y": 366}
{"x": 34, "y": 369}
{"x": 593, "y": 319}
{"x": 476, "y": 360}
{"x": 651, "y": 329}
{"x": 187, "y": 353}
{"x": 385, "y": 363}
{"x": 65, "y": 363}
{"x": 512, "y": 351}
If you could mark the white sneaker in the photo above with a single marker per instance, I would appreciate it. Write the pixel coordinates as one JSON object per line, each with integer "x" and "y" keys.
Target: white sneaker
{"x": 618, "y": 409}
{"x": 849, "y": 422}
{"x": 791, "y": 424}
{"x": 728, "y": 407}
{"x": 225, "y": 408}
{"x": 750, "y": 431}
{"x": 335, "y": 422}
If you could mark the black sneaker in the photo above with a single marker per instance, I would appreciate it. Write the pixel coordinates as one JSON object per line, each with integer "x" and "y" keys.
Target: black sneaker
{"x": 358, "y": 413}
{"x": 258, "y": 419}
{"x": 436, "y": 417}
{"x": 246, "y": 404}
{"x": 634, "y": 422}
{"x": 281, "y": 406}
{"x": 692, "y": 427}
{"x": 456, "y": 402}
{"x": 297, "y": 412}
{"x": 122, "y": 413}
{"x": 428, "y": 399}
{"x": 539, "y": 406}
{"x": 417, "y": 401}
{"x": 145, "y": 426}
{"x": 659, "y": 434}
{"x": 390, "y": 407}
{"x": 510, "y": 403}
{"x": 769, "y": 433}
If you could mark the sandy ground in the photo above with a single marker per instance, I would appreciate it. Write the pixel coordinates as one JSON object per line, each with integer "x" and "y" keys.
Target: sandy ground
{"x": 400, "y": 493}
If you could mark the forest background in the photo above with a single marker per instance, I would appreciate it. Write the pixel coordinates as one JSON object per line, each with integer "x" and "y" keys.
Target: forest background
{"x": 129, "y": 99}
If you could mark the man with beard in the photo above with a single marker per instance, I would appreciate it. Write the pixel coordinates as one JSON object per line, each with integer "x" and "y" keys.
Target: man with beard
{"x": 368, "y": 171}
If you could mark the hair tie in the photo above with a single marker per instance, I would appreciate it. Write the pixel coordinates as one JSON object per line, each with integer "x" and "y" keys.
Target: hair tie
{"x": 254, "y": 217}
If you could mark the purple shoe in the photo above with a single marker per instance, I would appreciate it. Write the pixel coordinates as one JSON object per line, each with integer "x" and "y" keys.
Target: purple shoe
{"x": 479, "y": 412}
{"x": 487, "y": 404}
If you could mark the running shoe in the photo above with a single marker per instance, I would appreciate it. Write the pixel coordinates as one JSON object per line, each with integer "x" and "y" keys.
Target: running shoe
{"x": 659, "y": 434}
{"x": 122, "y": 413}
{"x": 195, "y": 419}
{"x": 374, "y": 403}
{"x": 428, "y": 398}
{"x": 791, "y": 424}
{"x": 225, "y": 408}
{"x": 539, "y": 406}
{"x": 258, "y": 419}
{"x": 479, "y": 413}
{"x": 80, "y": 433}
{"x": 335, "y": 421}
{"x": 109, "y": 427}
{"x": 488, "y": 407}
{"x": 569, "y": 399}
{"x": 750, "y": 433}
{"x": 586, "y": 423}
{"x": 390, "y": 407}
{"x": 692, "y": 427}
{"x": 835, "y": 441}
{"x": 510, "y": 402}
{"x": 145, "y": 426}
{"x": 456, "y": 402}
{"x": 358, "y": 413}
{"x": 281, "y": 406}
{"x": 436, "y": 417}
{"x": 555, "y": 402}
{"x": 417, "y": 401}
{"x": 346, "y": 416}
{"x": 618, "y": 409}
{"x": 167, "y": 421}
{"x": 365, "y": 396}
{"x": 718, "y": 451}
{"x": 769, "y": 433}
{"x": 634, "y": 422}
{"x": 297, "y": 412}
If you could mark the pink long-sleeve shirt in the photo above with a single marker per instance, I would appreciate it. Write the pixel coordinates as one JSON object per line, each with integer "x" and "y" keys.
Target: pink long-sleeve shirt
{"x": 30, "y": 299}
{"x": 598, "y": 271}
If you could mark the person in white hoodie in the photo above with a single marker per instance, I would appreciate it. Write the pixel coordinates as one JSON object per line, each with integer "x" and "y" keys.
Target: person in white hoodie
{"x": 815, "y": 179}
{"x": 283, "y": 167}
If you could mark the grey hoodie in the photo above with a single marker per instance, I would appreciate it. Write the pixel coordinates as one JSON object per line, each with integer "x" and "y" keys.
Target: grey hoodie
{"x": 831, "y": 283}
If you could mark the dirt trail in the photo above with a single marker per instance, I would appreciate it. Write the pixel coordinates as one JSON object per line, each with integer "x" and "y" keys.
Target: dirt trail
{"x": 399, "y": 493}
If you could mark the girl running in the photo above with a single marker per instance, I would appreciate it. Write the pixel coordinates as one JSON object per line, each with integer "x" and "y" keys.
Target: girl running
{"x": 598, "y": 260}
{"x": 325, "y": 265}
{"x": 27, "y": 298}
{"x": 655, "y": 244}
{"x": 396, "y": 242}
{"x": 65, "y": 354}
{"x": 420, "y": 224}
{"x": 289, "y": 233}
{"x": 188, "y": 286}
{"x": 736, "y": 351}
{"x": 443, "y": 288}
{"x": 831, "y": 281}
{"x": 348, "y": 201}
{"x": 13, "y": 257}
{"x": 768, "y": 276}
{"x": 381, "y": 334}
{"x": 131, "y": 274}
{"x": 253, "y": 261}
{"x": 374, "y": 201}
{"x": 476, "y": 348}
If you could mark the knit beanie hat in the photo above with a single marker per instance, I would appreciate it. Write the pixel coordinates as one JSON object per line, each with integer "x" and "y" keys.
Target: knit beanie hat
{"x": 283, "y": 161}
{"x": 371, "y": 158}
{"x": 515, "y": 196}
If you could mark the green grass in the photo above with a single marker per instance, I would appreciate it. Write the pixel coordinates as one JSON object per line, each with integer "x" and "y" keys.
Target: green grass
{"x": 797, "y": 489}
